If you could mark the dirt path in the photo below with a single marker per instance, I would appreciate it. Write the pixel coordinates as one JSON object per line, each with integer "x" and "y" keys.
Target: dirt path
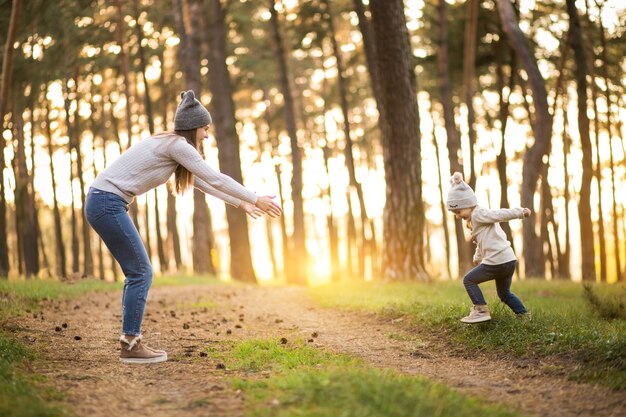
{"x": 185, "y": 320}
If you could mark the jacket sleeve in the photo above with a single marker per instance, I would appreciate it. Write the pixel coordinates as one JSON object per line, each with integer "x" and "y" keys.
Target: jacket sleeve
{"x": 190, "y": 158}
{"x": 485, "y": 216}
{"x": 208, "y": 189}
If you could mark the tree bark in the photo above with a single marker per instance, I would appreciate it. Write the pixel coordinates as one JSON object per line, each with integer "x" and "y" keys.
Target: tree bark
{"x": 223, "y": 111}
{"x": 5, "y": 82}
{"x": 61, "y": 266}
{"x": 469, "y": 62}
{"x": 299, "y": 254}
{"x": 584, "y": 205}
{"x": 403, "y": 254}
{"x": 202, "y": 246}
{"x": 452, "y": 132}
{"x": 609, "y": 127}
{"x": 442, "y": 201}
{"x": 354, "y": 183}
{"x": 25, "y": 211}
{"x": 542, "y": 129}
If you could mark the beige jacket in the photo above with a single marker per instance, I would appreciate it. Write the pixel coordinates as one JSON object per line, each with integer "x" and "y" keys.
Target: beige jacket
{"x": 492, "y": 246}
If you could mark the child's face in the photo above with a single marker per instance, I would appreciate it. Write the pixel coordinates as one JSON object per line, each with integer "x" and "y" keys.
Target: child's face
{"x": 463, "y": 213}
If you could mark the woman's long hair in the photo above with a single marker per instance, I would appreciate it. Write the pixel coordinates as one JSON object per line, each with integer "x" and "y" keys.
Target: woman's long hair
{"x": 183, "y": 179}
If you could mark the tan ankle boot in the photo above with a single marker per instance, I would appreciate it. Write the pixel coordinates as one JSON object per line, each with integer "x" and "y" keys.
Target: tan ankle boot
{"x": 135, "y": 352}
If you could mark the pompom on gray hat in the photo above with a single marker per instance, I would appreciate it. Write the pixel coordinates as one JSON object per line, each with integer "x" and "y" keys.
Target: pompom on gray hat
{"x": 190, "y": 113}
{"x": 460, "y": 195}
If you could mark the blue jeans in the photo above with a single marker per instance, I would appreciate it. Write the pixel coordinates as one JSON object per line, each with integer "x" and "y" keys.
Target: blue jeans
{"x": 107, "y": 213}
{"x": 503, "y": 275}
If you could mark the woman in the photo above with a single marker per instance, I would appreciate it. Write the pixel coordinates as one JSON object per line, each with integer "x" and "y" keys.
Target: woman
{"x": 141, "y": 168}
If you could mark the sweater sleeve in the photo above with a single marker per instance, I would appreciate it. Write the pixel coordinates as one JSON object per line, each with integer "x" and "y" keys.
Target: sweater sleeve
{"x": 207, "y": 189}
{"x": 481, "y": 215}
{"x": 190, "y": 158}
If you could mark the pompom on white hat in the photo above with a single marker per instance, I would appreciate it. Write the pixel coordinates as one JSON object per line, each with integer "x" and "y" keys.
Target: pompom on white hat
{"x": 460, "y": 195}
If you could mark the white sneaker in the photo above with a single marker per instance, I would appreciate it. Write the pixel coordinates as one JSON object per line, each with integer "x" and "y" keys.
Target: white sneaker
{"x": 478, "y": 314}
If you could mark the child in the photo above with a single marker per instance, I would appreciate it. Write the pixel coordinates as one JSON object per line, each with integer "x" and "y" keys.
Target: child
{"x": 494, "y": 257}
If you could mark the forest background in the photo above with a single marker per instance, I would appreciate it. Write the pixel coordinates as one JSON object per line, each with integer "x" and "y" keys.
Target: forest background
{"x": 353, "y": 113}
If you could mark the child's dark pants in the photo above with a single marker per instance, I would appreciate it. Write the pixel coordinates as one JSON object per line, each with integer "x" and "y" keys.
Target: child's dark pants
{"x": 503, "y": 275}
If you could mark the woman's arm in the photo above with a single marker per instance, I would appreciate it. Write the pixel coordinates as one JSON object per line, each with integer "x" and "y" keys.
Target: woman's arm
{"x": 190, "y": 158}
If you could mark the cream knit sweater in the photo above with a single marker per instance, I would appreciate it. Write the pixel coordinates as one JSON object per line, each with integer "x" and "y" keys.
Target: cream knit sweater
{"x": 492, "y": 246}
{"x": 151, "y": 162}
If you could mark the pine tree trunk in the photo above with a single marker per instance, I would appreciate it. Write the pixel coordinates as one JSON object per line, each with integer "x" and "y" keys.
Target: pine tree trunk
{"x": 454, "y": 137}
{"x": 343, "y": 98}
{"x": 609, "y": 127}
{"x": 299, "y": 272}
{"x": 368, "y": 46}
{"x": 61, "y": 266}
{"x": 469, "y": 62}
{"x": 564, "y": 261}
{"x": 584, "y": 206}
{"x": 223, "y": 111}
{"x": 503, "y": 116}
{"x": 542, "y": 128}
{"x": 403, "y": 255}
{"x": 5, "y": 82}
{"x": 202, "y": 238}
{"x": 442, "y": 201}
{"x": 25, "y": 211}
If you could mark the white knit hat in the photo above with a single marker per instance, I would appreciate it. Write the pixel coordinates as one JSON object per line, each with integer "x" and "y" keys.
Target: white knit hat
{"x": 460, "y": 195}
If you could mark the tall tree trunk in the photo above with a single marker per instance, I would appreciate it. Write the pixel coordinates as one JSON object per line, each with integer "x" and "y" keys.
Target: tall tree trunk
{"x": 584, "y": 206}
{"x": 173, "y": 239}
{"x": 542, "y": 128}
{"x": 223, "y": 111}
{"x": 61, "y": 267}
{"x": 454, "y": 137}
{"x": 87, "y": 257}
{"x": 469, "y": 62}
{"x": 202, "y": 247}
{"x": 564, "y": 262}
{"x": 609, "y": 127}
{"x": 25, "y": 211}
{"x": 503, "y": 116}
{"x": 343, "y": 97}
{"x": 442, "y": 201}
{"x": 403, "y": 213}
{"x": 150, "y": 118}
{"x": 368, "y": 46}
{"x": 42, "y": 247}
{"x": 299, "y": 271}
{"x": 5, "y": 82}
{"x": 70, "y": 134}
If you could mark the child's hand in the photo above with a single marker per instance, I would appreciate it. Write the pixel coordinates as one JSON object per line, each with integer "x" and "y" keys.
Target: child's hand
{"x": 251, "y": 210}
{"x": 265, "y": 204}
{"x": 527, "y": 212}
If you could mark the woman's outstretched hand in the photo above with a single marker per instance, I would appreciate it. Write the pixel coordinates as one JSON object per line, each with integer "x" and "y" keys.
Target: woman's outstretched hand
{"x": 250, "y": 209}
{"x": 268, "y": 206}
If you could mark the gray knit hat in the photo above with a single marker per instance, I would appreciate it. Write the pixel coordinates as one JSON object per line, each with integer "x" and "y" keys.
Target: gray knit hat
{"x": 190, "y": 113}
{"x": 460, "y": 195}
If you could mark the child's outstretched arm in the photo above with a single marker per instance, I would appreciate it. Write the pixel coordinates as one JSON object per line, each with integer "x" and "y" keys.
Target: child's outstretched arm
{"x": 481, "y": 215}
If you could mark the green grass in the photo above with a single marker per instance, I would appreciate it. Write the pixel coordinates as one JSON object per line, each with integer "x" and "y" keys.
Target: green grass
{"x": 564, "y": 325}
{"x": 295, "y": 379}
{"x": 21, "y": 393}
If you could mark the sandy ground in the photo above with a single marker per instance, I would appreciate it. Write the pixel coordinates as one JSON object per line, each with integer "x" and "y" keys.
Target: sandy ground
{"x": 78, "y": 341}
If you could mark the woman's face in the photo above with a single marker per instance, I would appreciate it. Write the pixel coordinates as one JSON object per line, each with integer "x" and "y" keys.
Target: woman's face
{"x": 202, "y": 133}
